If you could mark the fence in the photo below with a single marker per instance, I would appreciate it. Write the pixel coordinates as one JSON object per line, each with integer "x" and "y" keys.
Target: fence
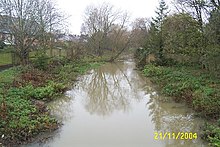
{"x": 10, "y": 58}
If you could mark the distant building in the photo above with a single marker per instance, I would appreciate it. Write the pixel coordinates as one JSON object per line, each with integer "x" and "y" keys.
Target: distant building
{"x": 67, "y": 37}
{"x": 5, "y": 32}
{"x": 70, "y": 37}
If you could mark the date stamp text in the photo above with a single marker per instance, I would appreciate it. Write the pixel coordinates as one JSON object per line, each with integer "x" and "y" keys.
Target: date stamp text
{"x": 178, "y": 135}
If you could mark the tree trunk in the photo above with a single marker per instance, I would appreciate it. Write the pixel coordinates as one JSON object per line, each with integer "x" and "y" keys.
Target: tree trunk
{"x": 24, "y": 57}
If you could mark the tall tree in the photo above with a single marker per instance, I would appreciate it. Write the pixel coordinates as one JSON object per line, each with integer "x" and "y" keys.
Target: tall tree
{"x": 182, "y": 35}
{"x": 216, "y": 3}
{"x": 28, "y": 21}
{"x": 197, "y": 8}
{"x": 139, "y": 32}
{"x": 213, "y": 28}
{"x": 157, "y": 26}
{"x": 100, "y": 21}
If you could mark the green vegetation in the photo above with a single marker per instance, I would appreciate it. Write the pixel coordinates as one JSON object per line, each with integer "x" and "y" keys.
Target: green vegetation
{"x": 24, "y": 92}
{"x": 7, "y": 76}
{"x": 212, "y": 134}
{"x": 181, "y": 54}
{"x": 5, "y": 58}
{"x": 198, "y": 88}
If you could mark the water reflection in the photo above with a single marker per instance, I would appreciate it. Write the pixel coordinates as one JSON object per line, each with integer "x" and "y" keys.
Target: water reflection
{"x": 109, "y": 88}
{"x": 61, "y": 108}
{"x": 115, "y": 106}
{"x": 174, "y": 117}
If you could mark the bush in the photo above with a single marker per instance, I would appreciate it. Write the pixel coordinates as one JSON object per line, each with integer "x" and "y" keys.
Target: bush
{"x": 46, "y": 92}
{"x": 198, "y": 90}
{"x": 20, "y": 115}
{"x": 212, "y": 134}
{"x": 155, "y": 71}
{"x": 205, "y": 99}
{"x": 41, "y": 60}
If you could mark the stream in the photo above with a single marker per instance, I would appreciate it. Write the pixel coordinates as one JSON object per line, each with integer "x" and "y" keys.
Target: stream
{"x": 115, "y": 106}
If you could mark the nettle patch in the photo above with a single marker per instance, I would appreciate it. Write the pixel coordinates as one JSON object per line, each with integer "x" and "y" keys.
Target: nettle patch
{"x": 184, "y": 84}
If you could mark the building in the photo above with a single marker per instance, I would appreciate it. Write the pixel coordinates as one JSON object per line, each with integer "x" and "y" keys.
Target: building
{"x": 5, "y": 32}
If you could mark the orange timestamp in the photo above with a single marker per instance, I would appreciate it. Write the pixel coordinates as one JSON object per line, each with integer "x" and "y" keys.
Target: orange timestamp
{"x": 175, "y": 136}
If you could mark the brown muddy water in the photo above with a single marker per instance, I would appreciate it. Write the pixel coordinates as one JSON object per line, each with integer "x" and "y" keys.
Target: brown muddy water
{"x": 115, "y": 106}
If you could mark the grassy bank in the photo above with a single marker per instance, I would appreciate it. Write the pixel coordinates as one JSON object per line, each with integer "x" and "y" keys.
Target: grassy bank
{"x": 5, "y": 58}
{"x": 6, "y": 55}
{"x": 24, "y": 92}
{"x": 199, "y": 89}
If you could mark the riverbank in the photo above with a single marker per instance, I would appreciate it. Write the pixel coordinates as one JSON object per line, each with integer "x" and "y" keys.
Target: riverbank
{"x": 199, "y": 89}
{"x": 24, "y": 93}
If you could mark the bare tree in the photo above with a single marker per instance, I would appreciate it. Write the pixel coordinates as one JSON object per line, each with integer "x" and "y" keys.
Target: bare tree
{"x": 216, "y": 3}
{"x": 140, "y": 28}
{"x": 197, "y": 8}
{"x": 100, "y": 22}
{"x": 29, "y": 22}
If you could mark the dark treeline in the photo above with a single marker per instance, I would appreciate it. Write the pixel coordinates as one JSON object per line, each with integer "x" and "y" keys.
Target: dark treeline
{"x": 190, "y": 35}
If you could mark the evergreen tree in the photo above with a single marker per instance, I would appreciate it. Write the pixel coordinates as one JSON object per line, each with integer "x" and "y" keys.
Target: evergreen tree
{"x": 157, "y": 27}
{"x": 161, "y": 12}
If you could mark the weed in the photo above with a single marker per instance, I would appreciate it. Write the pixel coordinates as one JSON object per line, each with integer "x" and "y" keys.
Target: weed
{"x": 200, "y": 90}
{"x": 23, "y": 113}
{"x": 212, "y": 134}
{"x": 41, "y": 60}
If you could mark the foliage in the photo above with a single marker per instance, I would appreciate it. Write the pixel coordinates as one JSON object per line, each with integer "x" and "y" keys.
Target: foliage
{"x": 188, "y": 51}
{"x": 23, "y": 93}
{"x": 105, "y": 28}
{"x": 154, "y": 41}
{"x": 210, "y": 60}
{"x": 212, "y": 134}
{"x": 47, "y": 92}
{"x": 21, "y": 115}
{"x": 161, "y": 12}
{"x": 212, "y": 29}
{"x": 197, "y": 88}
{"x": 41, "y": 60}
{"x": 193, "y": 86}
{"x": 5, "y": 58}
{"x": 29, "y": 22}
{"x": 69, "y": 72}
{"x": 139, "y": 32}
{"x": 7, "y": 76}
{"x": 157, "y": 26}
{"x": 182, "y": 35}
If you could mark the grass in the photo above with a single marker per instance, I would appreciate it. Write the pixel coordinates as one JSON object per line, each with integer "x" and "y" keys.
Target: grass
{"x": 200, "y": 89}
{"x": 55, "y": 53}
{"x": 24, "y": 91}
{"x": 5, "y": 59}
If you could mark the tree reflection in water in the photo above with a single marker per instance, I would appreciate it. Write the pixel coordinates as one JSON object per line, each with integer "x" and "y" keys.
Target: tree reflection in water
{"x": 109, "y": 91}
{"x": 61, "y": 108}
{"x": 174, "y": 117}
{"x": 110, "y": 87}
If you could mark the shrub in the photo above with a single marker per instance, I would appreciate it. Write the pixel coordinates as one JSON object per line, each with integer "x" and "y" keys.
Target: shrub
{"x": 41, "y": 60}
{"x": 212, "y": 134}
{"x": 206, "y": 100}
{"x": 46, "y": 92}
{"x": 198, "y": 89}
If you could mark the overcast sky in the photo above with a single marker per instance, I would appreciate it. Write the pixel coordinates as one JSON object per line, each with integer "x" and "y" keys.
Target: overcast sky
{"x": 137, "y": 8}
